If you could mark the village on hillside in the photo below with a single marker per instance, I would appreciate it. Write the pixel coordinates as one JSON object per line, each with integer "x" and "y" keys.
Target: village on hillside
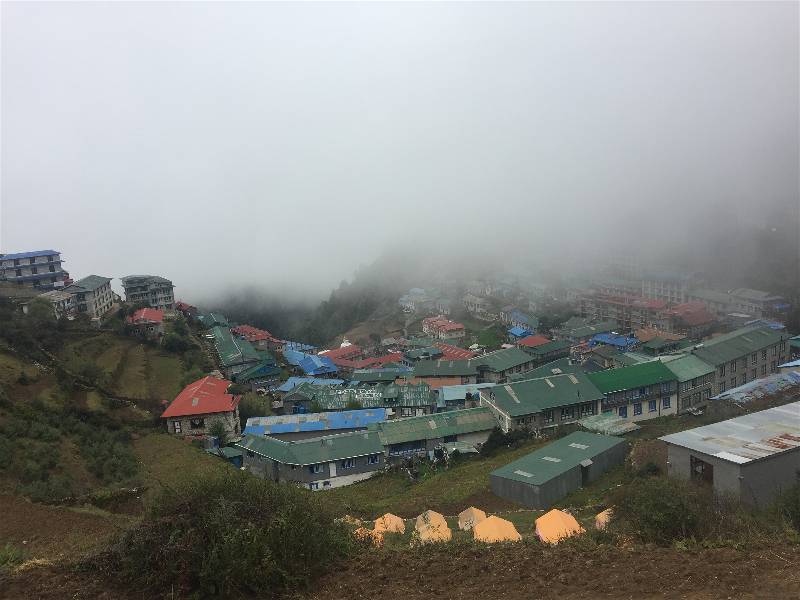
{"x": 478, "y": 364}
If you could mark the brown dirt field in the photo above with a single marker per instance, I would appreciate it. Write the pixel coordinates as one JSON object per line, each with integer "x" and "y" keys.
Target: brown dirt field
{"x": 52, "y": 532}
{"x": 524, "y": 571}
{"x": 513, "y": 572}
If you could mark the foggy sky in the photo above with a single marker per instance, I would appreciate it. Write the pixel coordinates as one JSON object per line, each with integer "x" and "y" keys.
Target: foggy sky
{"x": 283, "y": 145}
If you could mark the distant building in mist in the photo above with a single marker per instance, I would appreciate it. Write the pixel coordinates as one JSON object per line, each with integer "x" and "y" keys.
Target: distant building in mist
{"x": 92, "y": 295}
{"x": 40, "y": 269}
{"x": 152, "y": 290}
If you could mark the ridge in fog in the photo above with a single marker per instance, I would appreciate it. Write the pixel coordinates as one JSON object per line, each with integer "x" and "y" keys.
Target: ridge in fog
{"x": 278, "y": 147}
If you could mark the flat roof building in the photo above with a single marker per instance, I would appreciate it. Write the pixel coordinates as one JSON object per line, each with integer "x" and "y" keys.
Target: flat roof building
{"x": 152, "y": 290}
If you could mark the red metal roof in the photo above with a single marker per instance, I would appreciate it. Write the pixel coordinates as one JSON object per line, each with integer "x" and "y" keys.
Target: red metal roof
{"x": 691, "y": 313}
{"x": 450, "y": 352}
{"x": 348, "y": 353}
{"x": 253, "y": 334}
{"x": 532, "y": 341}
{"x": 204, "y": 396}
{"x": 147, "y": 315}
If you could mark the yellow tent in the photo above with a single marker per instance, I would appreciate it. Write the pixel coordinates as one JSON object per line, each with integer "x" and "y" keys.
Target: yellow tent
{"x": 495, "y": 529}
{"x": 390, "y": 523}
{"x": 602, "y": 519}
{"x": 436, "y": 532}
{"x": 430, "y": 517}
{"x": 556, "y": 525}
{"x": 470, "y": 517}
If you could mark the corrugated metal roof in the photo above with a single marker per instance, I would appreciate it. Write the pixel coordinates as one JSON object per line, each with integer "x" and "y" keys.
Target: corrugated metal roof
{"x": 635, "y": 376}
{"x": 535, "y": 395}
{"x": 747, "y": 438}
{"x": 459, "y": 392}
{"x": 316, "y": 450}
{"x": 233, "y": 351}
{"x": 539, "y": 467}
{"x": 31, "y": 254}
{"x": 686, "y": 366}
{"x": 347, "y": 419}
{"x": 293, "y": 382}
{"x": 439, "y": 425}
{"x": 502, "y": 360}
{"x": 737, "y": 344}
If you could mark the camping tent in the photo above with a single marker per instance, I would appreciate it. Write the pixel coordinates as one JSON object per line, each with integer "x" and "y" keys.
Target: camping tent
{"x": 495, "y": 529}
{"x": 390, "y": 523}
{"x": 468, "y": 518}
{"x": 436, "y": 532}
{"x": 430, "y": 517}
{"x": 556, "y": 525}
{"x": 602, "y": 519}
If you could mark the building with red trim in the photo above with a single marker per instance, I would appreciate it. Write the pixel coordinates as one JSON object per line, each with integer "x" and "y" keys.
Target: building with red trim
{"x": 147, "y": 323}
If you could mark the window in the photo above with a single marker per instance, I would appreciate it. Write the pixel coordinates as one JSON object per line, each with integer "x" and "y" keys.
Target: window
{"x": 197, "y": 423}
{"x": 568, "y": 413}
{"x": 774, "y": 350}
{"x": 772, "y": 367}
{"x": 643, "y": 391}
{"x": 753, "y": 374}
{"x": 637, "y": 408}
{"x": 707, "y": 393}
{"x": 19, "y": 272}
{"x": 374, "y": 459}
{"x": 722, "y": 370}
{"x": 52, "y": 269}
{"x": 50, "y": 258}
{"x": 547, "y": 416}
{"x": 16, "y": 262}
{"x": 763, "y": 355}
{"x": 32, "y": 261}
{"x": 754, "y": 357}
{"x": 313, "y": 486}
{"x": 783, "y": 346}
{"x": 348, "y": 463}
{"x": 733, "y": 382}
{"x": 622, "y": 411}
{"x": 651, "y": 406}
{"x": 733, "y": 366}
{"x": 176, "y": 426}
{"x": 314, "y": 469}
{"x": 665, "y": 387}
{"x": 665, "y": 402}
{"x": 721, "y": 386}
{"x": 763, "y": 369}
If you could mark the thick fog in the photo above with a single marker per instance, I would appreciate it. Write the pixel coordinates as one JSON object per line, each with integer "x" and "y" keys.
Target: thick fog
{"x": 283, "y": 145}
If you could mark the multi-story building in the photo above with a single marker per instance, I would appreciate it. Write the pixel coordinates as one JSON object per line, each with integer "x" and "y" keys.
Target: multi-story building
{"x": 717, "y": 303}
{"x": 542, "y": 403}
{"x": 152, "y": 290}
{"x": 638, "y": 392}
{"x": 755, "y": 302}
{"x": 743, "y": 355}
{"x": 629, "y": 312}
{"x": 62, "y": 301}
{"x": 668, "y": 286}
{"x": 695, "y": 379}
{"x": 92, "y": 295}
{"x": 443, "y": 328}
{"x": 37, "y": 269}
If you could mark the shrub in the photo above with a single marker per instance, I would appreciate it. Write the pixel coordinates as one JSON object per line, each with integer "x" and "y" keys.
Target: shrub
{"x": 657, "y": 510}
{"x": 788, "y": 505}
{"x": 175, "y": 343}
{"x": 217, "y": 429}
{"x": 229, "y": 535}
{"x": 497, "y": 439}
{"x": 10, "y": 555}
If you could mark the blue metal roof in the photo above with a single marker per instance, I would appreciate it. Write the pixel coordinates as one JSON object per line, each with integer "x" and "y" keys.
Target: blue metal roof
{"x": 519, "y": 332}
{"x": 618, "y": 341}
{"x": 293, "y": 382}
{"x": 31, "y": 254}
{"x": 325, "y": 421}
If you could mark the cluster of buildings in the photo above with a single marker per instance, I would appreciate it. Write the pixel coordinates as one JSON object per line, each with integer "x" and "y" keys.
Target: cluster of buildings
{"x": 40, "y": 274}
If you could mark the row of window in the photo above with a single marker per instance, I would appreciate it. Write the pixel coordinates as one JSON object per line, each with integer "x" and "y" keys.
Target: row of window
{"x": 34, "y": 271}
{"x": 652, "y": 406}
{"x": 773, "y": 368}
{"x": 753, "y": 359}
{"x": 348, "y": 463}
{"x": 32, "y": 261}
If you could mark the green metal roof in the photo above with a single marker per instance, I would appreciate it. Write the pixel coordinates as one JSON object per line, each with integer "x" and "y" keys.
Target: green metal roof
{"x": 233, "y": 350}
{"x": 503, "y": 360}
{"x": 212, "y": 319}
{"x": 315, "y": 450}
{"x": 635, "y": 376}
{"x": 539, "y": 467}
{"x": 737, "y": 344}
{"x": 446, "y": 368}
{"x": 686, "y": 366}
{"x": 438, "y": 425}
{"x": 378, "y": 375}
{"x": 589, "y": 330}
{"x": 554, "y": 346}
{"x": 560, "y": 364}
{"x": 420, "y": 352}
{"x": 91, "y": 283}
{"x": 264, "y": 368}
{"x": 536, "y": 395}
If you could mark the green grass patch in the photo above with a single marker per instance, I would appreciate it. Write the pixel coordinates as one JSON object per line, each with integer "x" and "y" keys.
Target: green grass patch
{"x": 447, "y": 491}
{"x": 131, "y": 378}
{"x": 165, "y": 375}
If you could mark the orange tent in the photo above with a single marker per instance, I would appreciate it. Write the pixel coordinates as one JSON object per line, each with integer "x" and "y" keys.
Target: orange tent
{"x": 390, "y": 523}
{"x": 556, "y": 525}
{"x": 495, "y": 529}
{"x": 470, "y": 517}
{"x": 602, "y": 519}
{"x": 436, "y": 532}
{"x": 430, "y": 517}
